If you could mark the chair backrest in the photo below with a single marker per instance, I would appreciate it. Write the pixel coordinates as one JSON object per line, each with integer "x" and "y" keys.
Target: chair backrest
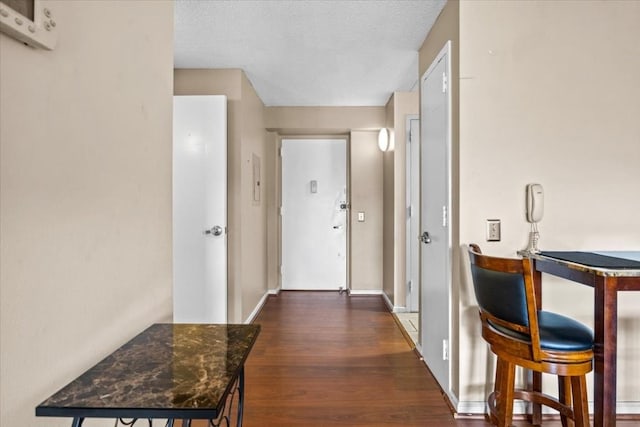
{"x": 505, "y": 292}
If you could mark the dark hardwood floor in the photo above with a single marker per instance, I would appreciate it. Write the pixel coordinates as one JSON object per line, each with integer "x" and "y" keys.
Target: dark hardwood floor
{"x": 324, "y": 359}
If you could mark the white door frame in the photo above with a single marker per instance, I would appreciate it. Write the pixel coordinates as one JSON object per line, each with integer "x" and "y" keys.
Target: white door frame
{"x": 412, "y": 224}
{"x": 439, "y": 353}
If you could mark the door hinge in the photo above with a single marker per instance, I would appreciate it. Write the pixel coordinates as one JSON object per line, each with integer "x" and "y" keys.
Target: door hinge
{"x": 444, "y": 82}
{"x": 409, "y": 212}
{"x": 281, "y": 210}
{"x": 280, "y": 151}
{"x": 444, "y": 216}
{"x": 409, "y": 285}
{"x": 445, "y": 350}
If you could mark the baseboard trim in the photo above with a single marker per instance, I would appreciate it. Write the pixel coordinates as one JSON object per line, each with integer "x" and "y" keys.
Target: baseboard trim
{"x": 274, "y": 291}
{"x": 364, "y": 292}
{"x": 256, "y": 310}
{"x": 387, "y": 301}
{"x": 473, "y": 408}
{"x": 628, "y": 410}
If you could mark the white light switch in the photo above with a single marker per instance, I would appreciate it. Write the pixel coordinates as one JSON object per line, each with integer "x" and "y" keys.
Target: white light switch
{"x": 360, "y": 216}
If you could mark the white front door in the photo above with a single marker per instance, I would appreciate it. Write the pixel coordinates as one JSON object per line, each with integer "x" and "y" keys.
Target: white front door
{"x": 199, "y": 209}
{"x": 314, "y": 220}
{"x": 413, "y": 214}
{"x": 435, "y": 218}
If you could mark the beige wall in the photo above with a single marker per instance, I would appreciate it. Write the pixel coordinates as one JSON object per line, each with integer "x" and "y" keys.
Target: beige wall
{"x": 253, "y": 262}
{"x": 366, "y": 196}
{"x": 388, "y": 191}
{"x": 549, "y": 93}
{"x": 247, "y": 226}
{"x": 85, "y": 195}
{"x": 323, "y": 120}
{"x": 272, "y": 199}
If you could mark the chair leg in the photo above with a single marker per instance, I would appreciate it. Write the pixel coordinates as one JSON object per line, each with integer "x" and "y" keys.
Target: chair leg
{"x": 492, "y": 402}
{"x": 535, "y": 385}
{"x": 499, "y": 374}
{"x": 564, "y": 396}
{"x": 505, "y": 397}
{"x": 580, "y": 406}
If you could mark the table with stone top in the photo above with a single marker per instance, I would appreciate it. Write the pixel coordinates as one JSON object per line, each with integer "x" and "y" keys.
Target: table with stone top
{"x": 169, "y": 372}
{"x": 608, "y": 273}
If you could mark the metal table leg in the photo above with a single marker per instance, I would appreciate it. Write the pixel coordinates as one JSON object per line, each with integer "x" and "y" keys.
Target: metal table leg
{"x": 240, "y": 396}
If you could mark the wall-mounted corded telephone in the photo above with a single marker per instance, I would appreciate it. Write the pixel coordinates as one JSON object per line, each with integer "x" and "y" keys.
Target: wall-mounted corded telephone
{"x": 535, "y": 202}
{"x": 535, "y": 210}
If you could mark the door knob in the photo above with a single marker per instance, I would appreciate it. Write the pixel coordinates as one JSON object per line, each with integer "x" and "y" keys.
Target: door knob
{"x": 216, "y": 230}
{"x": 425, "y": 238}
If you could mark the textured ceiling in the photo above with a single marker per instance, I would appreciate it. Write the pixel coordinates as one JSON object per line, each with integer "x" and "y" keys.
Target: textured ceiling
{"x": 308, "y": 52}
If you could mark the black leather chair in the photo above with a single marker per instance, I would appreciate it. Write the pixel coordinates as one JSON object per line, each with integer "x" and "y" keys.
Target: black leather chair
{"x": 520, "y": 334}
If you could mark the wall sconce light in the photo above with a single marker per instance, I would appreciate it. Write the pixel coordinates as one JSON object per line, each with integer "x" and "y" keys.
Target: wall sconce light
{"x": 383, "y": 139}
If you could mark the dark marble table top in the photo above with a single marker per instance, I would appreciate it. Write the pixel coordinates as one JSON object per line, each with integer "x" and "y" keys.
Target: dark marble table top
{"x": 609, "y": 263}
{"x": 167, "y": 371}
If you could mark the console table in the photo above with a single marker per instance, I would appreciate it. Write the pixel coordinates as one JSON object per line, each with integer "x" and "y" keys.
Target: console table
{"x": 608, "y": 273}
{"x": 169, "y": 372}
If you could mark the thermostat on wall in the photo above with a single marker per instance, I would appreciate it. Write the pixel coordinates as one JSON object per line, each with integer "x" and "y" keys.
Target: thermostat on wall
{"x": 29, "y": 21}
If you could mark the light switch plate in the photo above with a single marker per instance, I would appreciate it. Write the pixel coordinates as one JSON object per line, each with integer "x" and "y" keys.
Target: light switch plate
{"x": 360, "y": 216}
{"x": 493, "y": 230}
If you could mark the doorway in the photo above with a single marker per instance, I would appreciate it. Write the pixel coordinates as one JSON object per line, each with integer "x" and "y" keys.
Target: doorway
{"x": 314, "y": 214}
{"x": 435, "y": 257}
{"x": 200, "y": 209}
{"x": 413, "y": 214}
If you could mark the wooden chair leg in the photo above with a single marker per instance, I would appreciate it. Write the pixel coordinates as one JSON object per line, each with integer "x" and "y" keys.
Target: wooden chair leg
{"x": 564, "y": 396}
{"x": 492, "y": 402}
{"x": 580, "y": 406}
{"x": 499, "y": 371}
{"x": 505, "y": 399}
{"x": 535, "y": 385}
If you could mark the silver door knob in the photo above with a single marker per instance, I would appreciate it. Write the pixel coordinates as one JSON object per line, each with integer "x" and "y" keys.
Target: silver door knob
{"x": 216, "y": 230}
{"x": 425, "y": 238}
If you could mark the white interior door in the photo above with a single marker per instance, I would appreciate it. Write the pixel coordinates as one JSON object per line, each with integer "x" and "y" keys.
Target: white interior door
{"x": 199, "y": 209}
{"x": 435, "y": 218}
{"x": 413, "y": 214}
{"x": 314, "y": 220}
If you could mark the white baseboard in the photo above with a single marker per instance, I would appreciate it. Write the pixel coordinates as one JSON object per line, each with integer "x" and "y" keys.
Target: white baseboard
{"x": 274, "y": 291}
{"x": 475, "y": 408}
{"x": 387, "y": 301}
{"x": 519, "y": 407}
{"x": 256, "y": 310}
{"x": 364, "y": 292}
{"x": 391, "y": 307}
{"x": 624, "y": 407}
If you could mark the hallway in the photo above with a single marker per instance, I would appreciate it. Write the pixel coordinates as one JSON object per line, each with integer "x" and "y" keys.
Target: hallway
{"x": 324, "y": 359}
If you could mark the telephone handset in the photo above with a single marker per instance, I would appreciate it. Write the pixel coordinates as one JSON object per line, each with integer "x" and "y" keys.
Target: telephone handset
{"x": 535, "y": 203}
